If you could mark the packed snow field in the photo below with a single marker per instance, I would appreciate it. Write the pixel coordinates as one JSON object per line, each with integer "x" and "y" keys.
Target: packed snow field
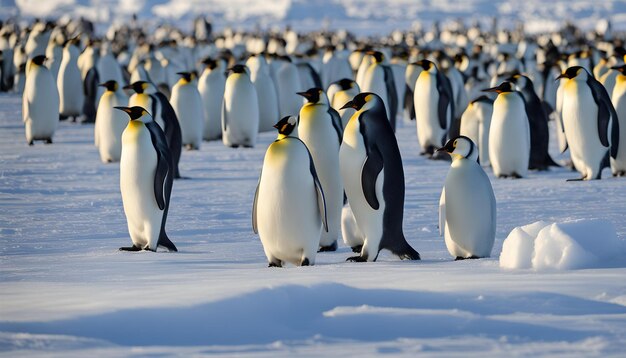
{"x": 66, "y": 290}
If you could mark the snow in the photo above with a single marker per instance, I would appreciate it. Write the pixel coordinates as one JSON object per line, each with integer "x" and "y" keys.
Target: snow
{"x": 565, "y": 246}
{"x": 65, "y": 290}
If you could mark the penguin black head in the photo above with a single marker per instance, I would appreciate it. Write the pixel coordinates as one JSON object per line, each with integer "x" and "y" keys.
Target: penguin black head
{"x": 312, "y": 94}
{"x": 378, "y": 56}
{"x": 39, "y": 60}
{"x": 138, "y": 86}
{"x": 425, "y": 64}
{"x": 460, "y": 147}
{"x": 185, "y": 75}
{"x": 210, "y": 63}
{"x": 360, "y": 100}
{"x": 237, "y": 69}
{"x": 134, "y": 112}
{"x": 571, "y": 72}
{"x": 520, "y": 80}
{"x": 621, "y": 69}
{"x": 345, "y": 83}
{"x": 286, "y": 125}
{"x": 504, "y": 87}
{"x": 110, "y": 85}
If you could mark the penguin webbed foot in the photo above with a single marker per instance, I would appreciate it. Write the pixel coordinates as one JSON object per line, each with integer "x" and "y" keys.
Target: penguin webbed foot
{"x": 516, "y": 176}
{"x": 329, "y": 248}
{"x": 275, "y": 264}
{"x": 460, "y": 258}
{"x": 357, "y": 249}
{"x": 305, "y": 262}
{"x": 356, "y": 259}
{"x": 48, "y": 141}
{"x": 130, "y": 248}
{"x": 620, "y": 173}
{"x": 575, "y": 179}
{"x": 31, "y": 143}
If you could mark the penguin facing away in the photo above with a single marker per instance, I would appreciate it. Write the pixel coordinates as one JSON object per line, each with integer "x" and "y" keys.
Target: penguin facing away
{"x": 475, "y": 124}
{"x": 110, "y": 123}
{"x": 187, "y": 104}
{"x": 319, "y": 128}
{"x": 211, "y": 87}
{"x": 289, "y": 209}
{"x": 240, "y": 110}
{"x": 373, "y": 178}
{"x": 618, "y": 97}
{"x": 69, "y": 82}
{"x": 379, "y": 79}
{"x": 467, "y": 207}
{"x": 339, "y": 93}
{"x": 590, "y": 123}
{"x": 146, "y": 178}
{"x": 40, "y": 103}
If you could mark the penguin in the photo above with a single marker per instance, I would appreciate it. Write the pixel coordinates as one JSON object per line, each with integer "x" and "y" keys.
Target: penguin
{"x": 287, "y": 81}
{"x": 590, "y": 122}
{"x": 146, "y": 178}
{"x": 163, "y": 114}
{"x": 110, "y": 123}
{"x": 411, "y": 74}
{"x": 538, "y": 122}
{"x": 265, "y": 90}
{"x": 40, "y": 103}
{"x": 240, "y": 110}
{"x": 289, "y": 209}
{"x": 211, "y": 87}
{"x": 319, "y": 128}
{"x": 352, "y": 236}
{"x": 475, "y": 124}
{"x": 187, "y": 104}
{"x": 108, "y": 68}
{"x": 509, "y": 134}
{"x": 339, "y": 93}
{"x": 618, "y": 97}
{"x": 70, "y": 83}
{"x": 373, "y": 179}
{"x": 467, "y": 207}
{"x": 379, "y": 79}
{"x": 434, "y": 107}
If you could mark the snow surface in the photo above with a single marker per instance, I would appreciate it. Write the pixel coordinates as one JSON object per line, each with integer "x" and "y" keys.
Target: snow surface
{"x": 66, "y": 291}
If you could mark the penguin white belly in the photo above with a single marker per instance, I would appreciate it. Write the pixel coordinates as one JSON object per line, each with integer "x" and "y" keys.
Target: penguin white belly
{"x": 242, "y": 113}
{"x": 509, "y": 136}
{"x": 316, "y": 131}
{"x": 187, "y": 104}
{"x": 374, "y": 81}
{"x": 110, "y": 124}
{"x": 268, "y": 101}
{"x": 288, "y": 217}
{"x": 42, "y": 101}
{"x": 70, "y": 86}
{"x": 469, "y": 211}
{"x": 211, "y": 90}
{"x": 618, "y": 165}
{"x": 350, "y": 232}
{"x": 580, "y": 119}
{"x": 425, "y": 100}
{"x": 352, "y": 156}
{"x": 137, "y": 170}
{"x": 339, "y": 99}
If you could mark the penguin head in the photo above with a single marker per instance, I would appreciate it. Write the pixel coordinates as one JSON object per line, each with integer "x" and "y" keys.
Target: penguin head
{"x": 574, "y": 72}
{"x": 519, "y": 80}
{"x": 286, "y": 126}
{"x": 621, "y": 69}
{"x": 185, "y": 77}
{"x": 426, "y": 65}
{"x": 237, "y": 69}
{"x": 210, "y": 63}
{"x": 345, "y": 84}
{"x": 39, "y": 60}
{"x": 138, "y": 87}
{"x": 504, "y": 87}
{"x": 460, "y": 147}
{"x": 363, "y": 101}
{"x": 314, "y": 95}
{"x": 135, "y": 112}
{"x": 110, "y": 85}
{"x": 377, "y": 55}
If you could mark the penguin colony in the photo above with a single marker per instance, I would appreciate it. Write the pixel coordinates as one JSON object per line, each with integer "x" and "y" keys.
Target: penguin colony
{"x": 477, "y": 98}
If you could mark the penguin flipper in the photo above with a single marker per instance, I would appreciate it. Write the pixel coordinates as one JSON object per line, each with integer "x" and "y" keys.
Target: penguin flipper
{"x": 444, "y": 100}
{"x": 336, "y": 120}
{"x": 369, "y": 173}
{"x": 321, "y": 199}
{"x": 224, "y": 117}
{"x": 392, "y": 95}
{"x": 162, "y": 188}
{"x": 255, "y": 227}
{"x": 606, "y": 112}
{"x": 442, "y": 212}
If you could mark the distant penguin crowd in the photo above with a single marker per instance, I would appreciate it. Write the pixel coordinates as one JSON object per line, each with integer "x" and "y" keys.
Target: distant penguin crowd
{"x": 484, "y": 98}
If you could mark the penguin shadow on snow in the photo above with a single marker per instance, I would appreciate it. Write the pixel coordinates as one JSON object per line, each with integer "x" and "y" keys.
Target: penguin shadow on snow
{"x": 336, "y": 311}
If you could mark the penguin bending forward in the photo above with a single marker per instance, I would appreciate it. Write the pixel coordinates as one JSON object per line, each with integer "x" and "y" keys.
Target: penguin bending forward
{"x": 289, "y": 207}
{"x": 146, "y": 177}
{"x": 373, "y": 178}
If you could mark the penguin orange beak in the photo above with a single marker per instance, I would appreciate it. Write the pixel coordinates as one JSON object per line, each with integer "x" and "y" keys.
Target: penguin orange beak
{"x": 128, "y": 87}
{"x": 449, "y": 147}
{"x": 562, "y": 75}
{"x": 304, "y": 94}
{"x": 621, "y": 68}
{"x": 497, "y": 89}
{"x": 125, "y": 109}
{"x": 348, "y": 105}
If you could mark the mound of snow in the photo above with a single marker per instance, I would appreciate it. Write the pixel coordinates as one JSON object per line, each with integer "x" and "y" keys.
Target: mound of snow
{"x": 563, "y": 246}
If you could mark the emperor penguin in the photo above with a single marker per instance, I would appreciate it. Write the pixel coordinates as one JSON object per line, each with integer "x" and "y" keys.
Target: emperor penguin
{"x": 590, "y": 122}
{"x": 240, "y": 110}
{"x": 40, "y": 102}
{"x": 187, "y": 104}
{"x": 265, "y": 90}
{"x": 509, "y": 134}
{"x": 538, "y": 121}
{"x": 475, "y": 124}
{"x": 434, "y": 107}
{"x": 70, "y": 83}
{"x": 289, "y": 210}
{"x": 373, "y": 178}
{"x": 146, "y": 177}
{"x": 162, "y": 113}
{"x": 352, "y": 236}
{"x": 379, "y": 79}
{"x": 287, "y": 83}
{"x": 339, "y": 93}
{"x": 467, "y": 207}
{"x": 618, "y": 97}
{"x": 110, "y": 123}
{"x": 211, "y": 87}
{"x": 320, "y": 129}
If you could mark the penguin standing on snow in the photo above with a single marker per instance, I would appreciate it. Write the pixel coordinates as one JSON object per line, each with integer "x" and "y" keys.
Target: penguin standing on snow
{"x": 618, "y": 97}
{"x": 373, "y": 178}
{"x": 110, "y": 123}
{"x": 379, "y": 79}
{"x": 467, "y": 208}
{"x": 590, "y": 122}
{"x": 240, "y": 110}
{"x": 475, "y": 124}
{"x": 70, "y": 83}
{"x": 340, "y": 93}
{"x": 509, "y": 134}
{"x": 211, "y": 87}
{"x": 320, "y": 129}
{"x": 187, "y": 104}
{"x": 289, "y": 210}
{"x": 40, "y": 103}
{"x": 146, "y": 177}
